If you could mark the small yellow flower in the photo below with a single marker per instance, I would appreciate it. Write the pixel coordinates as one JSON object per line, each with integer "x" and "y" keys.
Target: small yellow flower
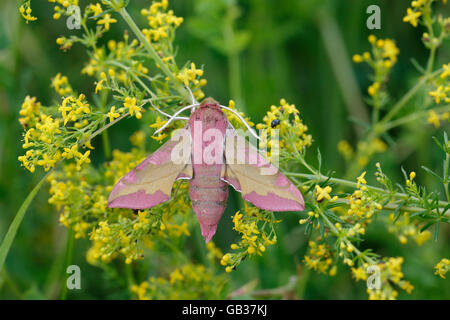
{"x": 438, "y": 94}
{"x": 96, "y": 9}
{"x": 361, "y": 179}
{"x": 99, "y": 86}
{"x": 357, "y": 58}
{"x": 446, "y": 71}
{"x": 130, "y": 104}
{"x": 373, "y": 89}
{"x": 323, "y": 193}
{"x": 442, "y": 267}
{"x": 433, "y": 118}
{"x": 106, "y": 21}
{"x": 412, "y": 17}
{"x": 112, "y": 114}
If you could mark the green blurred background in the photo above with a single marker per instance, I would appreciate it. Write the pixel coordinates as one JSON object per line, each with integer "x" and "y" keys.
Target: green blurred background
{"x": 297, "y": 50}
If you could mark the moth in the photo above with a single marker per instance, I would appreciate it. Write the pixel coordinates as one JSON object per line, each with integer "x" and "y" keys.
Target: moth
{"x": 236, "y": 163}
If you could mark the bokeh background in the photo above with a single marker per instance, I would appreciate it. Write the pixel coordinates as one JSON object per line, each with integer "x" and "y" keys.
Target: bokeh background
{"x": 297, "y": 50}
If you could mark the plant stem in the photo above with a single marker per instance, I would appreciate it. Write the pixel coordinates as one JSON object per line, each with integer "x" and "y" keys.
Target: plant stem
{"x": 347, "y": 242}
{"x": 106, "y": 146}
{"x": 402, "y": 102}
{"x": 105, "y": 137}
{"x": 234, "y": 66}
{"x": 447, "y": 161}
{"x": 68, "y": 260}
{"x": 351, "y": 184}
{"x": 413, "y": 117}
{"x": 12, "y": 231}
{"x": 155, "y": 56}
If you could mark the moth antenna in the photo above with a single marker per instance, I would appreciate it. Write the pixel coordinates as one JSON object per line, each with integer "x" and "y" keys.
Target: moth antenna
{"x": 192, "y": 97}
{"x": 191, "y": 94}
{"x": 243, "y": 121}
{"x": 174, "y": 117}
{"x": 165, "y": 114}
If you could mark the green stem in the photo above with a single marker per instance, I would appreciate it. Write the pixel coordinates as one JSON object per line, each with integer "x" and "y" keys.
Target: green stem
{"x": 5, "y": 277}
{"x": 68, "y": 260}
{"x": 234, "y": 65}
{"x": 351, "y": 184}
{"x": 135, "y": 77}
{"x": 447, "y": 161}
{"x": 106, "y": 145}
{"x": 154, "y": 55}
{"x": 12, "y": 231}
{"x": 402, "y": 102}
{"x": 347, "y": 242}
{"x": 413, "y": 117}
{"x": 105, "y": 138}
{"x": 129, "y": 274}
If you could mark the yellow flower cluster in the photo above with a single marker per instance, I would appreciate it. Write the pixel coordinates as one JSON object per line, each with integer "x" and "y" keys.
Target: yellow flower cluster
{"x": 81, "y": 197}
{"x": 190, "y": 77}
{"x": 320, "y": 258}
{"x": 188, "y": 282}
{"x": 25, "y": 11}
{"x": 162, "y": 22}
{"x": 60, "y": 11}
{"x": 292, "y": 132}
{"x": 53, "y": 133}
{"x": 382, "y": 58}
{"x": 403, "y": 228}
{"x": 442, "y": 267}
{"x": 72, "y": 109}
{"x": 419, "y": 8}
{"x": 363, "y": 203}
{"x": 257, "y": 233}
{"x": 391, "y": 278}
{"x": 440, "y": 93}
{"x": 61, "y": 85}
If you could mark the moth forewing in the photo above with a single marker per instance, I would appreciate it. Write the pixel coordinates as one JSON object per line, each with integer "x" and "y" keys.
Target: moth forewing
{"x": 181, "y": 153}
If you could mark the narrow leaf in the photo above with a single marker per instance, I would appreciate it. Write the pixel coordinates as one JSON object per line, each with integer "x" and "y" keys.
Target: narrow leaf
{"x": 11, "y": 234}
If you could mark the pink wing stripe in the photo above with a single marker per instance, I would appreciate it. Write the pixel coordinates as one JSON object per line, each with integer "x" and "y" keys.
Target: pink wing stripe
{"x": 138, "y": 200}
{"x": 272, "y": 202}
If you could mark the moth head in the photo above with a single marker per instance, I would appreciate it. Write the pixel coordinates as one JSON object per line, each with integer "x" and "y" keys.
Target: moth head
{"x": 209, "y": 102}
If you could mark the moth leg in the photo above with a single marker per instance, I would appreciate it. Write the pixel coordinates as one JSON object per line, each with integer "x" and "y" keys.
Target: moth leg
{"x": 176, "y": 191}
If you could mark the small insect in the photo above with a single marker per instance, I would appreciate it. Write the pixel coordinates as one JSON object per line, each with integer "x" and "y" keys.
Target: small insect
{"x": 274, "y": 123}
{"x": 150, "y": 183}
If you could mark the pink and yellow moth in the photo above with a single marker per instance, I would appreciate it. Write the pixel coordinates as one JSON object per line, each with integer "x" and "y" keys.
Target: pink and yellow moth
{"x": 240, "y": 165}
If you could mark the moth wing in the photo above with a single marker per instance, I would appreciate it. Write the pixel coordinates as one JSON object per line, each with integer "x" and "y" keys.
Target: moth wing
{"x": 260, "y": 182}
{"x": 150, "y": 183}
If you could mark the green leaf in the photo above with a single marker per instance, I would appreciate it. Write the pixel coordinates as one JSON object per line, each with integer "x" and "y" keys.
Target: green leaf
{"x": 432, "y": 172}
{"x": 436, "y": 232}
{"x": 438, "y": 143}
{"x": 425, "y": 227}
{"x": 397, "y": 211}
{"x": 319, "y": 160}
{"x": 12, "y": 231}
